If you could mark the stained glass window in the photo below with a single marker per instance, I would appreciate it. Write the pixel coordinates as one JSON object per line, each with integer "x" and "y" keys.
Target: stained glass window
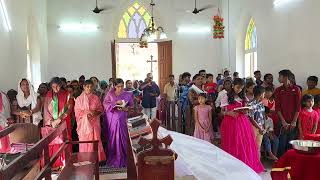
{"x": 250, "y": 59}
{"x": 251, "y": 36}
{"x": 134, "y": 21}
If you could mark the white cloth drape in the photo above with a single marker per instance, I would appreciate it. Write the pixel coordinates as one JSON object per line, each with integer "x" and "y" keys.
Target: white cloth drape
{"x": 32, "y": 99}
{"x": 206, "y": 161}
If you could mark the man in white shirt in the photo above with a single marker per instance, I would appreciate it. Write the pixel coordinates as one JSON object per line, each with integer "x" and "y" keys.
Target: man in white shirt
{"x": 171, "y": 94}
{"x": 170, "y": 89}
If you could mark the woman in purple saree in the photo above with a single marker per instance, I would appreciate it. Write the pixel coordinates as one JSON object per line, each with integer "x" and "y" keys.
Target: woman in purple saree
{"x": 116, "y": 124}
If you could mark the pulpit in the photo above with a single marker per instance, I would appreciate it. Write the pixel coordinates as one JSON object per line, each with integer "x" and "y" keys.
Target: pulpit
{"x": 155, "y": 160}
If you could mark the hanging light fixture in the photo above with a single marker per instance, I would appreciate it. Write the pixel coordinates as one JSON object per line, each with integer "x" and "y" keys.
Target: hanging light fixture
{"x": 152, "y": 33}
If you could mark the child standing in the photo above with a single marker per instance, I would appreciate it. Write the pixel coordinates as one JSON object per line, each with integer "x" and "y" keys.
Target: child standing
{"x": 257, "y": 114}
{"x": 249, "y": 90}
{"x": 269, "y": 138}
{"x": 210, "y": 86}
{"x": 268, "y": 99}
{"x": 237, "y": 137}
{"x": 202, "y": 116}
{"x": 269, "y": 102}
{"x": 308, "y": 118}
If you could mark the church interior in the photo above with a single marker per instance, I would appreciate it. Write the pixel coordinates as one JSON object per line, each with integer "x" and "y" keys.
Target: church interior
{"x": 159, "y": 89}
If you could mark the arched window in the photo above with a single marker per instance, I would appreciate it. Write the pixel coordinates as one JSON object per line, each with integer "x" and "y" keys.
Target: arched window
{"x": 134, "y": 20}
{"x": 250, "y": 49}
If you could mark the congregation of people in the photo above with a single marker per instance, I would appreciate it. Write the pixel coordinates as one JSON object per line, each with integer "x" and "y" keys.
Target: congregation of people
{"x": 92, "y": 110}
{"x": 252, "y": 116}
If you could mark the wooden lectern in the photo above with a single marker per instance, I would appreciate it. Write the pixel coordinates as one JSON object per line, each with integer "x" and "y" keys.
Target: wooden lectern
{"x": 154, "y": 163}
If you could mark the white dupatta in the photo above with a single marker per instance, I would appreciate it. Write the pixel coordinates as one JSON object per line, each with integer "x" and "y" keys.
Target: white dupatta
{"x": 31, "y": 100}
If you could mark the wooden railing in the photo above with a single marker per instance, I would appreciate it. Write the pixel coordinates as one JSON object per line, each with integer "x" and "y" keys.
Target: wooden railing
{"x": 174, "y": 118}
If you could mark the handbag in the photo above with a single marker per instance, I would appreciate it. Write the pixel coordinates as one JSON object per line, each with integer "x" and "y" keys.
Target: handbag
{"x": 46, "y": 130}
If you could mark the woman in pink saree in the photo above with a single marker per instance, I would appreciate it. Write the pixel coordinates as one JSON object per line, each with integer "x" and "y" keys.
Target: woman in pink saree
{"x": 88, "y": 109}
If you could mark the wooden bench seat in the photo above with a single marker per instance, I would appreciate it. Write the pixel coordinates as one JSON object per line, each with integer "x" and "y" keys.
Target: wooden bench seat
{"x": 17, "y": 168}
{"x": 25, "y": 133}
{"x": 70, "y": 171}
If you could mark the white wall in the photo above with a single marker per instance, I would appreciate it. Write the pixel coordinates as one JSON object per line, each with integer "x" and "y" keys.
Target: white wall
{"x": 26, "y": 17}
{"x": 73, "y": 54}
{"x": 5, "y": 61}
{"x": 287, "y": 35}
{"x": 13, "y": 45}
{"x": 37, "y": 31}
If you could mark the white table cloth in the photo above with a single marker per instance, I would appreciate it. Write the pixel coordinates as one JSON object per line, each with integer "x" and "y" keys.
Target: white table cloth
{"x": 205, "y": 161}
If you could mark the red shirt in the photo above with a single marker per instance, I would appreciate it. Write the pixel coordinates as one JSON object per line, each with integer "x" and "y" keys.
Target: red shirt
{"x": 288, "y": 101}
{"x": 210, "y": 87}
{"x": 308, "y": 120}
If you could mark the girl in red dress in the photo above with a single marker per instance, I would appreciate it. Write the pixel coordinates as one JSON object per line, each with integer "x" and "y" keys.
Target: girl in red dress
{"x": 308, "y": 118}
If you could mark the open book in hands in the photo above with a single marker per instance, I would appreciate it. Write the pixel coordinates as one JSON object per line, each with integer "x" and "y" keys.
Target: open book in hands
{"x": 197, "y": 90}
{"x": 246, "y": 108}
{"x": 122, "y": 105}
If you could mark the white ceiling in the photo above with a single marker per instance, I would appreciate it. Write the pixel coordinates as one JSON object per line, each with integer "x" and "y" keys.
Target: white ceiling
{"x": 81, "y": 10}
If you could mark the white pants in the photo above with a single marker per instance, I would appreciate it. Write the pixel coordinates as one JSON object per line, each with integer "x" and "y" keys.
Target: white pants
{"x": 150, "y": 112}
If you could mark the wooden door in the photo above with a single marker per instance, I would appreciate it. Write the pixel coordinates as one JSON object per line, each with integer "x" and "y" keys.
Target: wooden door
{"x": 164, "y": 62}
{"x": 113, "y": 58}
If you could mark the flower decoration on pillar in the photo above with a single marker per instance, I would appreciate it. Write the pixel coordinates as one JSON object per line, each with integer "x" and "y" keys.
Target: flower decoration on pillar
{"x": 218, "y": 28}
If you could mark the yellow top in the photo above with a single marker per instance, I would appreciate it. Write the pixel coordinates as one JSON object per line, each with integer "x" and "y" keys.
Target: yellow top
{"x": 313, "y": 92}
{"x": 170, "y": 91}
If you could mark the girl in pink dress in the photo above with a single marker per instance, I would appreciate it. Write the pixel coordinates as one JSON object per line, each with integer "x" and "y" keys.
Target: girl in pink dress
{"x": 202, "y": 116}
{"x": 237, "y": 137}
{"x": 308, "y": 118}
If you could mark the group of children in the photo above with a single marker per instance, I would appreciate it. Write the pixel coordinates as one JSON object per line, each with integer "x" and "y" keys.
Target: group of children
{"x": 255, "y": 114}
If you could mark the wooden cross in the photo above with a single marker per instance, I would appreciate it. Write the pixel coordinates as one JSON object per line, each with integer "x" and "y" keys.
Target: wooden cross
{"x": 151, "y": 61}
{"x": 155, "y": 142}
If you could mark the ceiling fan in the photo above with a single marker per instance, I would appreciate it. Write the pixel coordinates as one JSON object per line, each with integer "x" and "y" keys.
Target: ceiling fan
{"x": 97, "y": 10}
{"x": 197, "y": 11}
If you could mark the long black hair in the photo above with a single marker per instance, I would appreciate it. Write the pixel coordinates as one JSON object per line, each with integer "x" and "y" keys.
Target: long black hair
{"x": 56, "y": 80}
{"x": 118, "y": 81}
{"x": 231, "y": 93}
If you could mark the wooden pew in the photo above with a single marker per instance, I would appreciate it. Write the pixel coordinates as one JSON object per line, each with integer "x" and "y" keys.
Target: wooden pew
{"x": 42, "y": 147}
{"x": 154, "y": 163}
{"x": 23, "y": 133}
